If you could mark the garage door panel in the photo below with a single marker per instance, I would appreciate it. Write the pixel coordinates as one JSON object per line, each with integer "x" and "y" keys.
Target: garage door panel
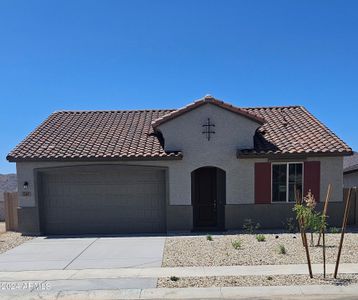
{"x": 106, "y": 200}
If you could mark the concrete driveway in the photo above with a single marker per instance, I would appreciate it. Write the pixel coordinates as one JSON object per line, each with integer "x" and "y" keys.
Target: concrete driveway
{"x": 46, "y": 253}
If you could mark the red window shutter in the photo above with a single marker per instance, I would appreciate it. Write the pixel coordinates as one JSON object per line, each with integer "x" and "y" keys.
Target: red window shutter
{"x": 262, "y": 183}
{"x": 312, "y": 178}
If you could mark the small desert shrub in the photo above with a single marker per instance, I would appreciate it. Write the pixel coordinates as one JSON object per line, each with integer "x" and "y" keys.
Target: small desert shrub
{"x": 250, "y": 227}
{"x": 282, "y": 249}
{"x": 311, "y": 220}
{"x": 269, "y": 278}
{"x": 174, "y": 278}
{"x": 260, "y": 238}
{"x": 236, "y": 244}
{"x": 209, "y": 237}
{"x": 334, "y": 230}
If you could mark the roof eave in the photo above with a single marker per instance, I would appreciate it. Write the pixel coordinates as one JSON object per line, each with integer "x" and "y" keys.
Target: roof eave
{"x": 350, "y": 171}
{"x": 290, "y": 155}
{"x": 74, "y": 159}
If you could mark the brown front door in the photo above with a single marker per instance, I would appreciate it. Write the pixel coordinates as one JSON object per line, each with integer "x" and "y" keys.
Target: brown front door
{"x": 205, "y": 203}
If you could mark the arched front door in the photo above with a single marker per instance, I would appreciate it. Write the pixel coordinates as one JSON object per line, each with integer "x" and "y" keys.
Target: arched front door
{"x": 208, "y": 198}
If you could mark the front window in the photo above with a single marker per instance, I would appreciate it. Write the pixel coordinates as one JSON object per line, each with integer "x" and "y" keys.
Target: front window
{"x": 286, "y": 177}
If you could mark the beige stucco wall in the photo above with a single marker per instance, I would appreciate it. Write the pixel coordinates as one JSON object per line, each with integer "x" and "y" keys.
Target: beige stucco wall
{"x": 239, "y": 181}
{"x": 239, "y": 177}
{"x": 232, "y": 132}
{"x": 185, "y": 133}
{"x": 331, "y": 173}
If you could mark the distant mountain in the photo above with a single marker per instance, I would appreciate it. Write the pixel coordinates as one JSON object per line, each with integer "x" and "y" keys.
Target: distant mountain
{"x": 8, "y": 183}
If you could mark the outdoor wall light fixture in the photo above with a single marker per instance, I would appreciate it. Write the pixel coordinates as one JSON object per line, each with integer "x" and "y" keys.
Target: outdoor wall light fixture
{"x": 26, "y": 185}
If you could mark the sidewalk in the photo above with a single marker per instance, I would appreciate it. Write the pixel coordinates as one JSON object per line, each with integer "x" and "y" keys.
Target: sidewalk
{"x": 308, "y": 292}
{"x": 140, "y": 283}
{"x": 48, "y": 275}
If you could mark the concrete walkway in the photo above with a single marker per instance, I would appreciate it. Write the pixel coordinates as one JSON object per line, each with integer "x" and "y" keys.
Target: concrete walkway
{"x": 308, "y": 292}
{"x": 53, "y": 261}
{"x": 114, "y": 273}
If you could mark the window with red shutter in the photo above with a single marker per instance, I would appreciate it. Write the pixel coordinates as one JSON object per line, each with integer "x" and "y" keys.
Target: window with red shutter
{"x": 262, "y": 183}
{"x": 312, "y": 178}
{"x": 286, "y": 179}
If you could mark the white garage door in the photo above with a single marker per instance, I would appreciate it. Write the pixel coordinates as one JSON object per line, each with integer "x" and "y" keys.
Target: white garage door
{"x": 102, "y": 199}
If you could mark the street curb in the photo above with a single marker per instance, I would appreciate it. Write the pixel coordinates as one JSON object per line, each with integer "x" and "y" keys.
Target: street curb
{"x": 196, "y": 293}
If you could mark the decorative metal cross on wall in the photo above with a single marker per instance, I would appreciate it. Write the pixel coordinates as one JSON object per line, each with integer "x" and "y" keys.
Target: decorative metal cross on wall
{"x": 208, "y": 129}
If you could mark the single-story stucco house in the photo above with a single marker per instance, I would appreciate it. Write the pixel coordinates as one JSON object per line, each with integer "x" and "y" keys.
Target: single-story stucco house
{"x": 350, "y": 171}
{"x": 207, "y": 166}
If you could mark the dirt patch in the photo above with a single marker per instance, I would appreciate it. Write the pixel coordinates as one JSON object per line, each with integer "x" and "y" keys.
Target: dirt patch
{"x": 226, "y": 251}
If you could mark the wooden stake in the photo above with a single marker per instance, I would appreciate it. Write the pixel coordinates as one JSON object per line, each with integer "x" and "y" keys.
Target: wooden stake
{"x": 307, "y": 252}
{"x": 323, "y": 233}
{"x": 344, "y": 224}
{"x": 299, "y": 201}
{"x": 328, "y": 196}
{"x": 303, "y": 235}
{"x": 324, "y": 253}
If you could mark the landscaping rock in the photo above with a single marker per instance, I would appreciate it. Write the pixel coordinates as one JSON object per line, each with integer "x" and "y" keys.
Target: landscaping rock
{"x": 279, "y": 280}
{"x": 9, "y": 240}
{"x": 197, "y": 251}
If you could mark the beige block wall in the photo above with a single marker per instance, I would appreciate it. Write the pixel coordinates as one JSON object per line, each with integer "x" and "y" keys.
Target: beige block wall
{"x": 2, "y": 206}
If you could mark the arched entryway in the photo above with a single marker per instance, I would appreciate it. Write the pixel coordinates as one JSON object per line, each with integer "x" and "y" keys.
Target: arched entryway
{"x": 208, "y": 198}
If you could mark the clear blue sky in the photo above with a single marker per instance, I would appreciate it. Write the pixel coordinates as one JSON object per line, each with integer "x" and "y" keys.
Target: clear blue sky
{"x": 82, "y": 55}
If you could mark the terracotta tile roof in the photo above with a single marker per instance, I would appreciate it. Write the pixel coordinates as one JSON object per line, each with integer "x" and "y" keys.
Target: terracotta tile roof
{"x": 96, "y": 135}
{"x": 293, "y": 130}
{"x": 106, "y": 135}
{"x": 205, "y": 100}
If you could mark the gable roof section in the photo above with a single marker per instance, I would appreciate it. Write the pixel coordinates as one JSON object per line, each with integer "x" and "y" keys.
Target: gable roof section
{"x": 87, "y": 135}
{"x": 292, "y": 130}
{"x": 350, "y": 163}
{"x": 129, "y": 135}
{"x": 207, "y": 99}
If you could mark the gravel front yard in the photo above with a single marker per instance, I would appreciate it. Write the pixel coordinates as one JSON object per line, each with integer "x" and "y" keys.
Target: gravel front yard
{"x": 9, "y": 240}
{"x": 198, "y": 251}
{"x": 345, "y": 279}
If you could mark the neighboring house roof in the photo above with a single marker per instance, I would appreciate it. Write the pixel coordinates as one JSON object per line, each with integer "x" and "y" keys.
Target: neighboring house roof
{"x": 8, "y": 183}
{"x": 96, "y": 135}
{"x": 350, "y": 163}
{"x": 205, "y": 100}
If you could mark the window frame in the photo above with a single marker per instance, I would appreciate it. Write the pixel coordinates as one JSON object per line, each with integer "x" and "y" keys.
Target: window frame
{"x": 287, "y": 179}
